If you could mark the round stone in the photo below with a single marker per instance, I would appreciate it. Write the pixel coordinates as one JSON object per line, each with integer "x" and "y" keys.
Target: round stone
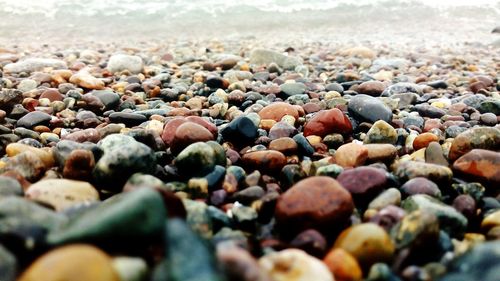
{"x": 368, "y": 243}
{"x": 480, "y": 164}
{"x": 277, "y": 110}
{"x": 317, "y": 202}
{"x": 267, "y": 161}
{"x": 423, "y": 140}
{"x": 370, "y": 109}
{"x": 327, "y": 122}
{"x": 363, "y": 183}
{"x": 421, "y": 185}
{"x": 371, "y": 88}
{"x": 188, "y": 133}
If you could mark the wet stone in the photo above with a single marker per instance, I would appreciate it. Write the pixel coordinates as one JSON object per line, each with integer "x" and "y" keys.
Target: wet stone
{"x": 33, "y": 119}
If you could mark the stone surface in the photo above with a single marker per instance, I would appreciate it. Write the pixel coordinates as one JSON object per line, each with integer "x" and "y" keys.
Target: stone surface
{"x": 343, "y": 265}
{"x": 363, "y": 182}
{"x": 412, "y": 169}
{"x": 268, "y": 161}
{"x": 33, "y": 119}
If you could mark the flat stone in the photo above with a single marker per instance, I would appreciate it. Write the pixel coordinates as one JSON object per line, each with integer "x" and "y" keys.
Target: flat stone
{"x": 412, "y": 169}
{"x": 434, "y": 154}
{"x": 263, "y": 56}
{"x": 420, "y": 185}
{"x": 371, "y": 88}
{"x": 33, "y": 119}
{"x": 62, "y": 193}
{"x": 34, "y": 64}
{"x": 381, "y": 152}
{"x": 292, "y": 89}
{"x": 86, "y": 80}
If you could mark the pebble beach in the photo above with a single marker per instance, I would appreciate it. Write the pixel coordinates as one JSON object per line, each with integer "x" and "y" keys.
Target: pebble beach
{"x": 324, "y": 157}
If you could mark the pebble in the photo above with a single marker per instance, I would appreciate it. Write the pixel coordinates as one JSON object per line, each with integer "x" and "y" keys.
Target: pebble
{"x": 72, "y": 263}
{"x": 8, "y": 265}
{"x": 381, "y": 132}
{"x": 316, "y": 202}
{"x": 423, "y": 140}
{"x": 370, "y": 109}
{"x": 327, "y": 122}
{"x": 479, "y": 137}
{"x": 371, "y": 88}
{"x": 122, "y": 153}
{"x": 343, "y": 265}
{"x": 263, "y": 56}
{"x": 434, "y": 154}
{"x": 482, "y": 165}
{"x": 61, "y": 193}
{"x": 364, "y": 183}
{"x": 421, "y": 185}
{"x": 34, "y": 64}
{"x": 33, "y": 119}
{"x": 275, "y": 111}
{"x": 292, "y": 89}
{"x": 450, "y": 220}
{"x": 385, "y": 153}
{"x": 294, "y": 265}
{"x": 270, "y": 161}
{"x": 198, "y": 159}
{"x": 351, "y": 155}
{"x": 110, "y": 221}
{"x": 121, "y": 62}
{"x": 368, "y": 243}
{"x": 412, "y": 169}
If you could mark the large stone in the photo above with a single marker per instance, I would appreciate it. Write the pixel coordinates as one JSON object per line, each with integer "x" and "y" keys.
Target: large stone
{"x": 130, "y": 217}
{"x": 317, "y": 202}
{"x": 62, "y": 193}
{"x": 72, "y": 263}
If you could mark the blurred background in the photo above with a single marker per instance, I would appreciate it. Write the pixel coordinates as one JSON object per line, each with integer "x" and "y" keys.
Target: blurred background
{"x": 441, "y": 21}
